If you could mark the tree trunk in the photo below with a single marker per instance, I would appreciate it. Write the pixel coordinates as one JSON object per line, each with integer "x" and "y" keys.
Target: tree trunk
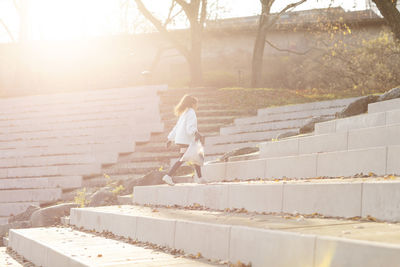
{"x": 258, "y": 56}
{"x": 194, "y": 60}
{"x": 391, "y": 14}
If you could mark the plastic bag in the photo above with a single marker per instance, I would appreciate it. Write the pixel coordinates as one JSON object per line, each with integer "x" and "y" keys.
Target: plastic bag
{"x": 194, "y": 153}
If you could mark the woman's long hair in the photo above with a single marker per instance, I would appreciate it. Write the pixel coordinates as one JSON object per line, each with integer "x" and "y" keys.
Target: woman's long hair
{"x": 186, "y": 102}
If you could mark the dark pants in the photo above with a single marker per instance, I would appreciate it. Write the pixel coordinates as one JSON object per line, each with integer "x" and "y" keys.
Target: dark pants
{"x": 179, "y": 163}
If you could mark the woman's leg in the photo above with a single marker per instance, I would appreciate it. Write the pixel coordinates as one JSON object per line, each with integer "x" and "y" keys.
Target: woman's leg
{"x": 198, "y": 170}
{"x": 179, "y": 163}
{"x": 175, "y": 168}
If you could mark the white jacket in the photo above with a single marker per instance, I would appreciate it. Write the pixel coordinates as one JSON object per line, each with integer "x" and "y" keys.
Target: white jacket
{"x": 185, "y": 129}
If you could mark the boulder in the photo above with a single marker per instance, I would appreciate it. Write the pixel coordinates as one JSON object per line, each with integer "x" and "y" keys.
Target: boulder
{"x": 51, "y": 215}
{"x": 287, "y": 134}
{"x": 4, "y": 228}
{"x": 310, "y": 124}
{"x": 151, "y": 178}
{"x": 357, "y": 107}
{"x": 238, "y": 152}
{"x": 391, "y": 94}
{"x": 103, "y": 197}
{"x": 24, "y": 216}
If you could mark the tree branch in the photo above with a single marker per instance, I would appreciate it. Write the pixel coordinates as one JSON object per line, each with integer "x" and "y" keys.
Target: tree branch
{"x": 7, "y": 30}
{"x": 277, "y": 16}
{"x": 288, "y": 50}
{"x": 162, "y": 29}
{"x": 170, "y": 16}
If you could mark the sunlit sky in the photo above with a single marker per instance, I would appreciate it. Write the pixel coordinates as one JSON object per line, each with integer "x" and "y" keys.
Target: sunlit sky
{"x": 76, "y": 19}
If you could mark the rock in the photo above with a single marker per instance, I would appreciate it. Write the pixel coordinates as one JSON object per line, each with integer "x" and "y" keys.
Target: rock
{"x": 4, "y": 228}
{"x": 287, "y": 134}
{"x": 238, "y": 152}
{"x": 310, "y": 124}
{"x": 151, "y": 178}
{"x": 51, "y": 215}
{"x": 24, "y": 216}
{"x": 391, "y": 94}
{"x": 103, "y": 197}
{"x": 357, "y": 107}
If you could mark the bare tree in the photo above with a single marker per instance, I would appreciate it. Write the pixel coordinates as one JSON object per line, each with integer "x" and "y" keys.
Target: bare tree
{"x": 266, "y": 21}
{"x": 389, "y": 11}
{"x": 195, "y": 12}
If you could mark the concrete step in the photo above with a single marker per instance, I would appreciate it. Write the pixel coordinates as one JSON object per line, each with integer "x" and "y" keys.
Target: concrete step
{"x": 337, "y": 141}
{"x": 108, "y": 131}
{"x": 100, "y": 151}
{"x": 147, "y": 156}
{"x": 378, "y": 160}
{"x": 74, "y": 97}
{"x": 100, "y": 125}
{"x": 384, "y": 106}
{"x": 58, "y": 160}
{"x": 376, "y": 197}
{"x": 263, "y": 240}
{"x": 219, "y": 149}
{"x": 261, "y": 127}
{"x": 207, "y": 113}
{"x": 65, "y": 182}
{"x": 54, "y": 246}
{"x": 44, "y": 102}
{"x": 307, "y": 106}
{"x": 43, "y": 195}
{"x": 57, "y": 117}
{"x": 77, "y": 108}
{"x": 287, "y": 116}
{"x": 133, "y": 167}
{"x": 4, "y": 219}
{"x": 247, "y": 136}
{"x": 359, "y": 122}
{"x": 121, "y": 143}
{"x": 7, "y": 260}
{"x": 14, "y": 208}
{"x": 59, "y": 170}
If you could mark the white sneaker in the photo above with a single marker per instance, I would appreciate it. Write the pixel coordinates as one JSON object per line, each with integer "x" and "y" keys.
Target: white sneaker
{"x": 198, "y": 180}
{"x": 167, "y": 179}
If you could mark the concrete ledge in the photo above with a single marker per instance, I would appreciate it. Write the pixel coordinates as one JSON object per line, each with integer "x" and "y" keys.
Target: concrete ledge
{"x": 307, "y": 106}
{"x": 287, "y": 124}
{"x": 303, "y": 166}
{"x": 61, "y": 170}
{"x": 30, "y": 195}
{"x": 258, "y": 197}
{"x": 8, "y": 209}
{"x": 156, "y": 231}
{"x": 236, "y": 242}
{"x": 247, "y": 169}
{"x": 357, "y": 198}
{"x": 348, "y": 163}
{"x": 329, "y": 112}
{"x": 323, "y": 199}
{"x": 340, "y": 252}
{"x": 380, "y": 200}
{"x": 384, "y": 106}
{"x": 39, "y": 182}
{"x": 270, "y": 248}
{"x": 393, "y": 159}
{"x": 214, "y": 172}
{"x": 211, "y": 240}
{"x": 288, "y": 147}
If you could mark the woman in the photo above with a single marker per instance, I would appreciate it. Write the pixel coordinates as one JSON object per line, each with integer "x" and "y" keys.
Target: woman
{"x": 184, "y": 132}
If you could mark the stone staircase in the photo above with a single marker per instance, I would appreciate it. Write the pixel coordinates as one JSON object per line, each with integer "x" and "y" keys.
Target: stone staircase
{"x": 153, "y": 154}
{"x": 48, "y": 143}
{"x": 329, "y": 198}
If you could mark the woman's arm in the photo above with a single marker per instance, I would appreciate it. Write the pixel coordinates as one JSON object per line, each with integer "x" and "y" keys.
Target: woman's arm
{"x": 191, "y": 122}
